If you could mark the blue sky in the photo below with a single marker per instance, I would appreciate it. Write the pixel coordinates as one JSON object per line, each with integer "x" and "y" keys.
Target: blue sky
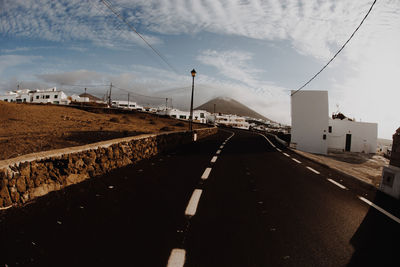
{"x": 254, "y": 51}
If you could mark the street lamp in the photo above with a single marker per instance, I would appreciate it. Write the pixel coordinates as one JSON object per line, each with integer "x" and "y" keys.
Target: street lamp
{"x": 193, "y": 72}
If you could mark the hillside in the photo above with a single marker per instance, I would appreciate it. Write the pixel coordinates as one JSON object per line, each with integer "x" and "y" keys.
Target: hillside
{"x": 27, "y": 128}
{"x": 230, "y": 106}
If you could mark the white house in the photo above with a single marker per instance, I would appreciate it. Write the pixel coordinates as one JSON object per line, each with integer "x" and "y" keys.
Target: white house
{"x": 232, "y": 121}
{"x": 125, "y": 104}
{"x": 80, "y": 99}
{"x": 50, "y": 95}
{"x": 310, "y": 115}
{"x": 346, "y": 135}
{"x": 313, "y": 131}
{"x": 9, "y": 97}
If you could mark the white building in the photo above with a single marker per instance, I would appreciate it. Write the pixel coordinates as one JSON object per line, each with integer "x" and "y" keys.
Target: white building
{"x": 9, "y": 97}
{"x": 232, "y": 121}
{"x": 199, "y": 116}
{"x": 313, "y": 131}
{"x": 310, "y": 116}
{"x": 125, "y": 104}
{"x": 346, "y": 135}
{"x": 51, "y": 96}
{"x": 80, "y": 99}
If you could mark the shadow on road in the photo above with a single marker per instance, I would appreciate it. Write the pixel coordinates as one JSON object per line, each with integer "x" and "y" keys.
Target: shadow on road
{"x": 377, "y": 240}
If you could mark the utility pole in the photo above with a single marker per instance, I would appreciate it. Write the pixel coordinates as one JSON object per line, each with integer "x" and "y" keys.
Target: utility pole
{"x": 214, "y": 108}
{"x": 166, "y": 103}
{"x": 109, "y": 96}
{"x": 85, "y": 91}
{"x": 128, "y": 100}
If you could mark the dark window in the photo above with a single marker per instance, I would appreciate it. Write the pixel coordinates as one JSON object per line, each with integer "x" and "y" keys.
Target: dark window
{"x": 47, "y": 96}
{"x": 55, "y": 96}
{"x": 324, "y": 137}
{"x": 201, "y": 115}
{"x": 24, "y": 99}
{"x": 37, "y": 97}
{"x": 330, "y": 129}
{"x": 173, "y": 116}
{"x": 6, "y": 100}
{"x": 182, "y": 117}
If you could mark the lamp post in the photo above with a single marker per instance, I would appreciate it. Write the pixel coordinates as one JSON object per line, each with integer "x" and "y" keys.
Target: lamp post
{"x": 193, "y": 72}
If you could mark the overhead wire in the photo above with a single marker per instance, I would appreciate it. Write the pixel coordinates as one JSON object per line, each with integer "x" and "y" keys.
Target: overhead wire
{"x": 109, "y": 6}
{"x": 337, "y": 53}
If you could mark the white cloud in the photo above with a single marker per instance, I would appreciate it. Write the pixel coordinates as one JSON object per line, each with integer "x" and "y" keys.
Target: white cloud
{"x": 8, "y": 61}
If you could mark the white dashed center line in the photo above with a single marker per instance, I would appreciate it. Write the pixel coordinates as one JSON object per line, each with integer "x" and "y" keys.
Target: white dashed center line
{"x": 221, "y": 147}
{"x": 214, "y": 159}
{"x": 394, "y": 218}
{"x": 287, "y": 155}
{"x": 278, "y": 149}
{"x": 206, "y": 173}
{"x": 177, "y": 258}
{"x": 336, "y": 183}
{"x": 311, "y": 169}
{"x": 193, "y": 202}
{"x": 295, "y": 160}
{"x": 218, "y": 151}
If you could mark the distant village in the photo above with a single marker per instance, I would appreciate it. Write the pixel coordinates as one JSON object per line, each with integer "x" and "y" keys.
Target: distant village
{"x": 53, "y": 96}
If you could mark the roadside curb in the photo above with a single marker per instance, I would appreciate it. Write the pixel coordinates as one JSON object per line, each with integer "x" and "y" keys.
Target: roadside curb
{"x": 356, "y": 180}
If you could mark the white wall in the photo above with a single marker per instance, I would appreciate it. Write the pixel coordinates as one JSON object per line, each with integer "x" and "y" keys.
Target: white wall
{"x": 364, "y": 136}
{"x": 310, "y": 115}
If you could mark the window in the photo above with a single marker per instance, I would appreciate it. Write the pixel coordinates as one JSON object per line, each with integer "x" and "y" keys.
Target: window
{"x": 55, "y": 96}
{"x": 173, "y": 116}
{"x": 182, "y": 117}
{"x": 324, "y": 137}
{"x": 47, "y": 96}
{"x": 37, "y": 97}
{"x": 202, "y": 115}
{"x": 330, "y": 129}
{"x": 6, "y": 100}
{"x": 24, "y": 99}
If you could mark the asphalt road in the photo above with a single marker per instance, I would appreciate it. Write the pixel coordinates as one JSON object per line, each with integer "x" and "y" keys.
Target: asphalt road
{"x": 257, "y": 207}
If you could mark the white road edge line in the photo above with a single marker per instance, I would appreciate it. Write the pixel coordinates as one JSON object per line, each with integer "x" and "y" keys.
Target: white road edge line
{"x": 268, "y": 140}
{"x": 218, "y": 151}
{"x": 278, "y": 149}
{"x": 193, "y": 202}
{"x": 221, "y": 147}
{"x": 311, "y": 169}
{"x": 206, "y": 173}
{"x": 287, "y": 155}
{"x": 177, "y": 258}
{"x": 295, "y": 160}
{"x": 214, "y": 159}
{"x": 336, "y": 183}
{"x": 394, "y": 218}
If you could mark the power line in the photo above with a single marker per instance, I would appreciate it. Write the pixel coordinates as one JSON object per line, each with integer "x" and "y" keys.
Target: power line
{"x": 134, "y": 93}
{"x": 340, "y": 50}
{"x": 109, "y": 6}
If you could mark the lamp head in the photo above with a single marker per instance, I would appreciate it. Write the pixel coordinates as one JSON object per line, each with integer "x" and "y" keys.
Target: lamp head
{"x": 193, "y": 72}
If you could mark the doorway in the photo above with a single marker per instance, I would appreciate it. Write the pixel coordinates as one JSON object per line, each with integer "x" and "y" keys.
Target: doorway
{"x": 348, "y": 142}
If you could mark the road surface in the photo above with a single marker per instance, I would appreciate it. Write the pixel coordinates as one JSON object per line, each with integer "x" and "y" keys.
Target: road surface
{"x": 233, "y": 199}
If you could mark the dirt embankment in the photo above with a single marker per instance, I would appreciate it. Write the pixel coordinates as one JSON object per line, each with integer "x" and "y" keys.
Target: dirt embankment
{"x": 26, "y": 128}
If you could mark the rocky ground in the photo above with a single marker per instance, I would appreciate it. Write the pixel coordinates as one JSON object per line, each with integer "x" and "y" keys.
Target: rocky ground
{"x": 27, "y": 128}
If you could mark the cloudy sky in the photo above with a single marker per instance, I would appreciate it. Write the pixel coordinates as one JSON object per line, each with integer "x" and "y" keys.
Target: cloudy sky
{"x": 254, "y": 51}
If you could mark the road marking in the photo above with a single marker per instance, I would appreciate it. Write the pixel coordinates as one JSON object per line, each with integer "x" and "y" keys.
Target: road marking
{"x": 295, "y": 160}
{"x": 336, "y": 183}
{"x": 394, "y": 218}
{"x": 218, "y": 151}
{"x": 206, "y": 173}
{"x": 214, "y": 159}
{"x": 287, "y": 155}
{"x": 193, "y": 202}
{"x": 221, "y": 147}
{"x": 177, "y": 258}
{"x": 268, "y": 140}
{"x": 311, "y": 169}
{"x": 278, "y": 149}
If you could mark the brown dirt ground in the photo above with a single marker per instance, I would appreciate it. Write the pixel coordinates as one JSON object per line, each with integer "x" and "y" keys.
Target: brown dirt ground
{"x": 27, "y": 128}
{"x": 365, "y": 167}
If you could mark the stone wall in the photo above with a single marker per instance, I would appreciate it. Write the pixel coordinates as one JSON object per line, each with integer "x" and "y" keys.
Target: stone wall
{"x": 30, "y": 176}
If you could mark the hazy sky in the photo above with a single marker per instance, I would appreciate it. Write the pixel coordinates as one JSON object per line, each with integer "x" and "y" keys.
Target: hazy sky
{"x": 254, "y": 51}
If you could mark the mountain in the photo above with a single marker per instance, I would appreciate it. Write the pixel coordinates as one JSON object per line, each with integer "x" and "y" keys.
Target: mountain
{"x": 230, "y": 106}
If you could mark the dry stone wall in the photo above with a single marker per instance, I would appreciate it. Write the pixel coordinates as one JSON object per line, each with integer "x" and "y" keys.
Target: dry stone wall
{"x": 27, "y": 177}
